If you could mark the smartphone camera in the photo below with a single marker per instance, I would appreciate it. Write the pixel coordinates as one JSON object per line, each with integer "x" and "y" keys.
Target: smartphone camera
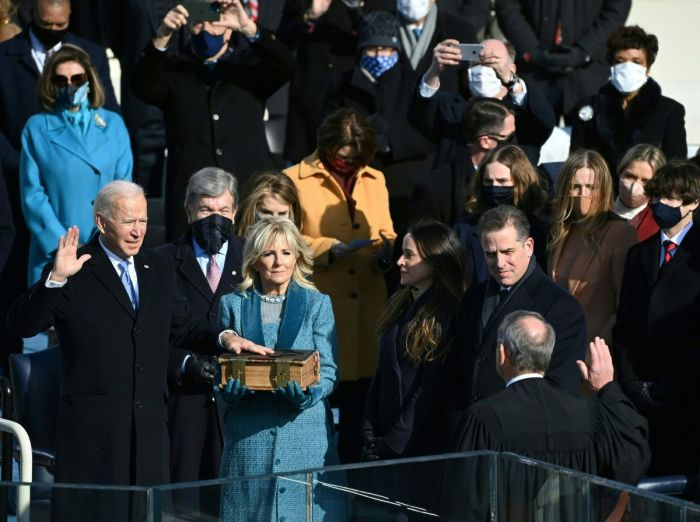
{"x": 215, "y": 7}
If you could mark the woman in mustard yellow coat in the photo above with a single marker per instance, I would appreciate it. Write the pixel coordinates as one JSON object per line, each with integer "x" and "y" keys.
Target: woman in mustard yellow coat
{"x": 346, "y": 222}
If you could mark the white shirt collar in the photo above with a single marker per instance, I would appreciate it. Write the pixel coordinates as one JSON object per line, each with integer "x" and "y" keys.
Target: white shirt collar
{"x": 39, "y": 51}
{"x": 524, "y": 376}
{"x": 678, "y": 238}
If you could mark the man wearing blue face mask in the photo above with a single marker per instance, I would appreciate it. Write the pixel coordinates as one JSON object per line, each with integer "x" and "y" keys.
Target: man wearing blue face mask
{"x": 380, "y": 86}
{"x": 213, "y": 97}
{"x": 655, "y": 338}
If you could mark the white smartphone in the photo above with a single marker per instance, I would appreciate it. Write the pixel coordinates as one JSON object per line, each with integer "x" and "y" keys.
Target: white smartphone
{"x": 470, "y": 52}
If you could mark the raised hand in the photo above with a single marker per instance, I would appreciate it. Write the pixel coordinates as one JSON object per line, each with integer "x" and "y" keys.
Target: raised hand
{"x": 318, "y": 8}
{"x": 173, "y": 21}
{"x": 67, "y": 262}
{"x": 598, "y": 369}
{"x": 234, "y": 16}
{"x": 445, "y": 54}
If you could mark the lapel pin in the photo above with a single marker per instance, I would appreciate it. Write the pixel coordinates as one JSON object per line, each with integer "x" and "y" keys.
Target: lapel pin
{"x": 146, "y": 266}
{"x": 100, "y": 122}
{"x": 233, "y": 273}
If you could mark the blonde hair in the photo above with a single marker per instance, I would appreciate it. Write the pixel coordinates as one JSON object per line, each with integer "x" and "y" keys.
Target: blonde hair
{"x": 266, "y": 183}
{"x": 260, "y": 236}
{"x": 69, "y": 53}
{"x": 601, "y": 199}
{"x": 642, "y": 152}
{"x": 528, "y": 195}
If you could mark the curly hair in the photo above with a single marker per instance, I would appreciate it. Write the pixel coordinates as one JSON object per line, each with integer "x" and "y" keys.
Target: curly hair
{"x": 632, "y": 37}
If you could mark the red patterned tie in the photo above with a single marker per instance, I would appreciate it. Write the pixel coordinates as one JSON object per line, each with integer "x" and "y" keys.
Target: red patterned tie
{"x": 213, "y": 274}
{"x": 669, "y": 248}
{"x": 253, "y": 11}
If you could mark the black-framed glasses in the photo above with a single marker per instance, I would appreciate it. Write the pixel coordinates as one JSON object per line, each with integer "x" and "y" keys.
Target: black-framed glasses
{"x": 500, "y": 138}
{"x": 58, "y": 80}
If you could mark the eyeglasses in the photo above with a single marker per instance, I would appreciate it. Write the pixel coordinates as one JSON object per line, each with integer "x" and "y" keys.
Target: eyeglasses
{"x": 500, "y": 138}
{"x": 63, "y": 81}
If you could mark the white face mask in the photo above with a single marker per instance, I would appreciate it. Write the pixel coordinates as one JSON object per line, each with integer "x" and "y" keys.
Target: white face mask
{"x": 413, "y": 10}
{"x": 628, "y": 76}
{"x": 483, "y": 81}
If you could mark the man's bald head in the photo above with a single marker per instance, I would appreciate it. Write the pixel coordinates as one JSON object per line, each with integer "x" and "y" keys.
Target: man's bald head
{"x": 499, "y": 48}
{"x": 528, "y": 341}
{"x": 52, "y": 14}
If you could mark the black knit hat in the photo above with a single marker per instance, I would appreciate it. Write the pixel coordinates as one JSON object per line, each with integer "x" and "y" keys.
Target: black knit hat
{"x": 381, "y": 29}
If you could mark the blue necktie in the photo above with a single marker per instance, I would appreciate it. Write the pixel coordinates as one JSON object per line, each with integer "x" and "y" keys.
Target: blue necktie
{"x": 417, "y": 31}
{"x": 128, "y": 284}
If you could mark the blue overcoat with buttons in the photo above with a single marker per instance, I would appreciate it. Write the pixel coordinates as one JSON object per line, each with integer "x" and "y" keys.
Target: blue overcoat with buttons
{"x": 61, "y": 172}
{"x": 263, "y": 433}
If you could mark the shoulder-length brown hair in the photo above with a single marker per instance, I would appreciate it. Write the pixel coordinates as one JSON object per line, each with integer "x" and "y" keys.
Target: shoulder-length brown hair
{"x": 601, "y": 199}
{"x": 266, "y": 183}
{"x": 427, "y": 337}
{"x": 528, "y": 194}
{"x": 69, "y": 53}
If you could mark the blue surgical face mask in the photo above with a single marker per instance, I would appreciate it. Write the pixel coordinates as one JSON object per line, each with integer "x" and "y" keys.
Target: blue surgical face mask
{"x": 71, "y": 95}
{"x": 378, "y": 65}
{"x": 206, "y": 45}
{"x": 666, "y": 216}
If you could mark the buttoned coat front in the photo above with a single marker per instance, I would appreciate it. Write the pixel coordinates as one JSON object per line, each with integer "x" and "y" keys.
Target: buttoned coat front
{"x": 355, "y": 283}
{"x": 264, "y": 433}
{"x": 61, "y": 172}
{"x": 112, "y": 414}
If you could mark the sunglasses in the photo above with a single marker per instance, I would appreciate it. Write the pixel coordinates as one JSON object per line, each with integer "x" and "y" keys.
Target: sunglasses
{"x": 78, "y": 80}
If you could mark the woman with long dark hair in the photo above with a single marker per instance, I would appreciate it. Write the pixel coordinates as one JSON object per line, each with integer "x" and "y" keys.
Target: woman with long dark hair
{"x": 403, "y": 416}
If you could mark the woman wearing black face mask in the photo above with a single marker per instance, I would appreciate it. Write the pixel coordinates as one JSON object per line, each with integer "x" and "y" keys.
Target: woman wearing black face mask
{"x": 589, "y": 242}
{"x": 505, "y": 177}
{"x": 69, "y": 152}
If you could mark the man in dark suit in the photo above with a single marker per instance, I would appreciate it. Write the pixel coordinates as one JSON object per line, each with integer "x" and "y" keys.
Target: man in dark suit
{"x": 116, "y": 309}
{"x": 655, "y": 339}
{"x": 440, "y": 194}
{"x": 207, "y": 261}
{"x": 21, "y": 62}
{"x": 601, "y": 435}
{"x": 516, "y": 283}
{"x": 213, "y": 98}
{"x": 7, "y": 228}
{"x": 439, "y": 114}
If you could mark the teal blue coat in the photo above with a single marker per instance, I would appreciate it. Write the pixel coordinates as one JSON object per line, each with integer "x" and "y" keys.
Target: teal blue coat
{"x": 61, "y": 172}
{"x": 263, "y": 433}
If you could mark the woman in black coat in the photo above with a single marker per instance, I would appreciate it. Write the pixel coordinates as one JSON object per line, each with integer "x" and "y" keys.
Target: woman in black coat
{"x": 403, "y": 417}
{"x": 630, "y": 109}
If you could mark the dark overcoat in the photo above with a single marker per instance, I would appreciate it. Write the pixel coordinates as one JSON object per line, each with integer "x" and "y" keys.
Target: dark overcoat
{"x": 112, "y": 413}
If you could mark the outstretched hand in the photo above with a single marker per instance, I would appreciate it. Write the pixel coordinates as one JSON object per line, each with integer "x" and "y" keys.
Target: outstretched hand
{"x": 233, "y": 343}
{"x": 598, "y": 369}
{"x": 234, "y": 16}
{"x": 67, "y": 262}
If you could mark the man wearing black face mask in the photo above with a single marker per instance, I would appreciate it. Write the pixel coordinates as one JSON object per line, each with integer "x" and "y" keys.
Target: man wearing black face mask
{"x": 213, "y": 97}
{"x": 655, "y": 338}
{"x": 21, "y": 62}
{"x": 207, "y": 259}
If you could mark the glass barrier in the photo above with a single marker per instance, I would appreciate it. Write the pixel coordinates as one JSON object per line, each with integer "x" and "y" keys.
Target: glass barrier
{"x": 483, "y": 486}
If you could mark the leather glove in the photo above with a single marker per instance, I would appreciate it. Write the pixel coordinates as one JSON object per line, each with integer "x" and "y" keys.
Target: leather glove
{"x": 565, "y": 61}
{"x": 233, "y": 392}
{"x": 640, "y": 393}
{"x": 374, "y": 448}
{"x": 298, "y": 398}
{"x": 199, "y": 370}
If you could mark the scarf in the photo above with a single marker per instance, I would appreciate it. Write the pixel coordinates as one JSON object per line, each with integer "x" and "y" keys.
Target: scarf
{"x": 415, "y": 49}
{"x": 624, "y": 211}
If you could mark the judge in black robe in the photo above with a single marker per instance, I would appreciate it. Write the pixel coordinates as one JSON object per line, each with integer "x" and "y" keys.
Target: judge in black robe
{"x": 600, "y": 435}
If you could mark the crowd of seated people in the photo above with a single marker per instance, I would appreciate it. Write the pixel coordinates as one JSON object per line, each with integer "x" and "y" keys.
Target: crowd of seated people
{"x": 407, "y": 233}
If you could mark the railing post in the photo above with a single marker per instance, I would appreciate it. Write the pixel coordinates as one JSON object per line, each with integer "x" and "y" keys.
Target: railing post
{"x": 309, "y": 497}
{"x": 6, "y": 466}
{"x": 493, "y": 489}
{"x": 25, "y": 467}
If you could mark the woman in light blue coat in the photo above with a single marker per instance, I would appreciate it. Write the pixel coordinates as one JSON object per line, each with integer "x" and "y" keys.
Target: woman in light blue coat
{"x": 288, "y": 429}
{"x": 69, "y": 152}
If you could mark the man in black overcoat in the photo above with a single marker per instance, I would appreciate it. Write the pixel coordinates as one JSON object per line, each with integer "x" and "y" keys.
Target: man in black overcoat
{"x": 213, "y": 98}
{"x": 116, "y": 309}
{"x": 656, "y": 338}
{"x": 516, "y": 283}
{"x": 208, "y": 247}
{"x": 600, "y": 435}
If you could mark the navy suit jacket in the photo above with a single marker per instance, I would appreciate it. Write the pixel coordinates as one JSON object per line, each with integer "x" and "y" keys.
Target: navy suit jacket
{"x": 18, "y": 96}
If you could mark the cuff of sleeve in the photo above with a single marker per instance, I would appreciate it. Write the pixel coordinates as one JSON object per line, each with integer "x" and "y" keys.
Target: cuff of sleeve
{"x": 54, "y": 284}
{"x": 254, "y": 38}
{"x": 426, "y": 91}
{"x": 218, "y": 339}
{"x": 184, "y": 363}
{"x": 519, "y": 98}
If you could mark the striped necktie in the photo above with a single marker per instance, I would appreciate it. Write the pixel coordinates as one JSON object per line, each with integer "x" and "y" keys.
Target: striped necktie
{"x": 128, "y": 284}
{"x": 213, "y": 273}
{"x": 669, "y": 250}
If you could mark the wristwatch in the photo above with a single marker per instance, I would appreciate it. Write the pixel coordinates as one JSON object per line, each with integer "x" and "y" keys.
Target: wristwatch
{"x": 514, "y": 79}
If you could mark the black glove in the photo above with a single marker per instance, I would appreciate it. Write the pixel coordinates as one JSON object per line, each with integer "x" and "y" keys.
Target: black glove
{"x": 565, "y": 60}
{"x": 641, "y": 394}
{"x": 199, "y": 370}
{"x": 374, "y": 448}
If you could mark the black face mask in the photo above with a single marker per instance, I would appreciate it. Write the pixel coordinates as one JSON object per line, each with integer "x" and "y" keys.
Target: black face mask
{"x": 48, "y": 37}
{"x": 494, "y": 196}
{"x": 665, "y": 215}
{"x": 211, "y": 232}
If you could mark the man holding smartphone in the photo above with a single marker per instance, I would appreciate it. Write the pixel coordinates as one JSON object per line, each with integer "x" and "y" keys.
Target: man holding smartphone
{"x": 439, "y": 114}
{"x": 213, "y": 97}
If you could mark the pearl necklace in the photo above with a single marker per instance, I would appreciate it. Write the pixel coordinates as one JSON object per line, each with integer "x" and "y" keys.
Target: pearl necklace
{"x": 275, "y": 299}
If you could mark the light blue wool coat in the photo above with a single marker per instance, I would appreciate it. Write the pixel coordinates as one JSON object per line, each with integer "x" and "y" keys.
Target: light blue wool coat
{"x": 61, "y": 172}
{"x": 264, "y": 433}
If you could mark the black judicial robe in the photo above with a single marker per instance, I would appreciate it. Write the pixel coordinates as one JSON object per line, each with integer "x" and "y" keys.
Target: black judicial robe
{"x": 602, "y": 435}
